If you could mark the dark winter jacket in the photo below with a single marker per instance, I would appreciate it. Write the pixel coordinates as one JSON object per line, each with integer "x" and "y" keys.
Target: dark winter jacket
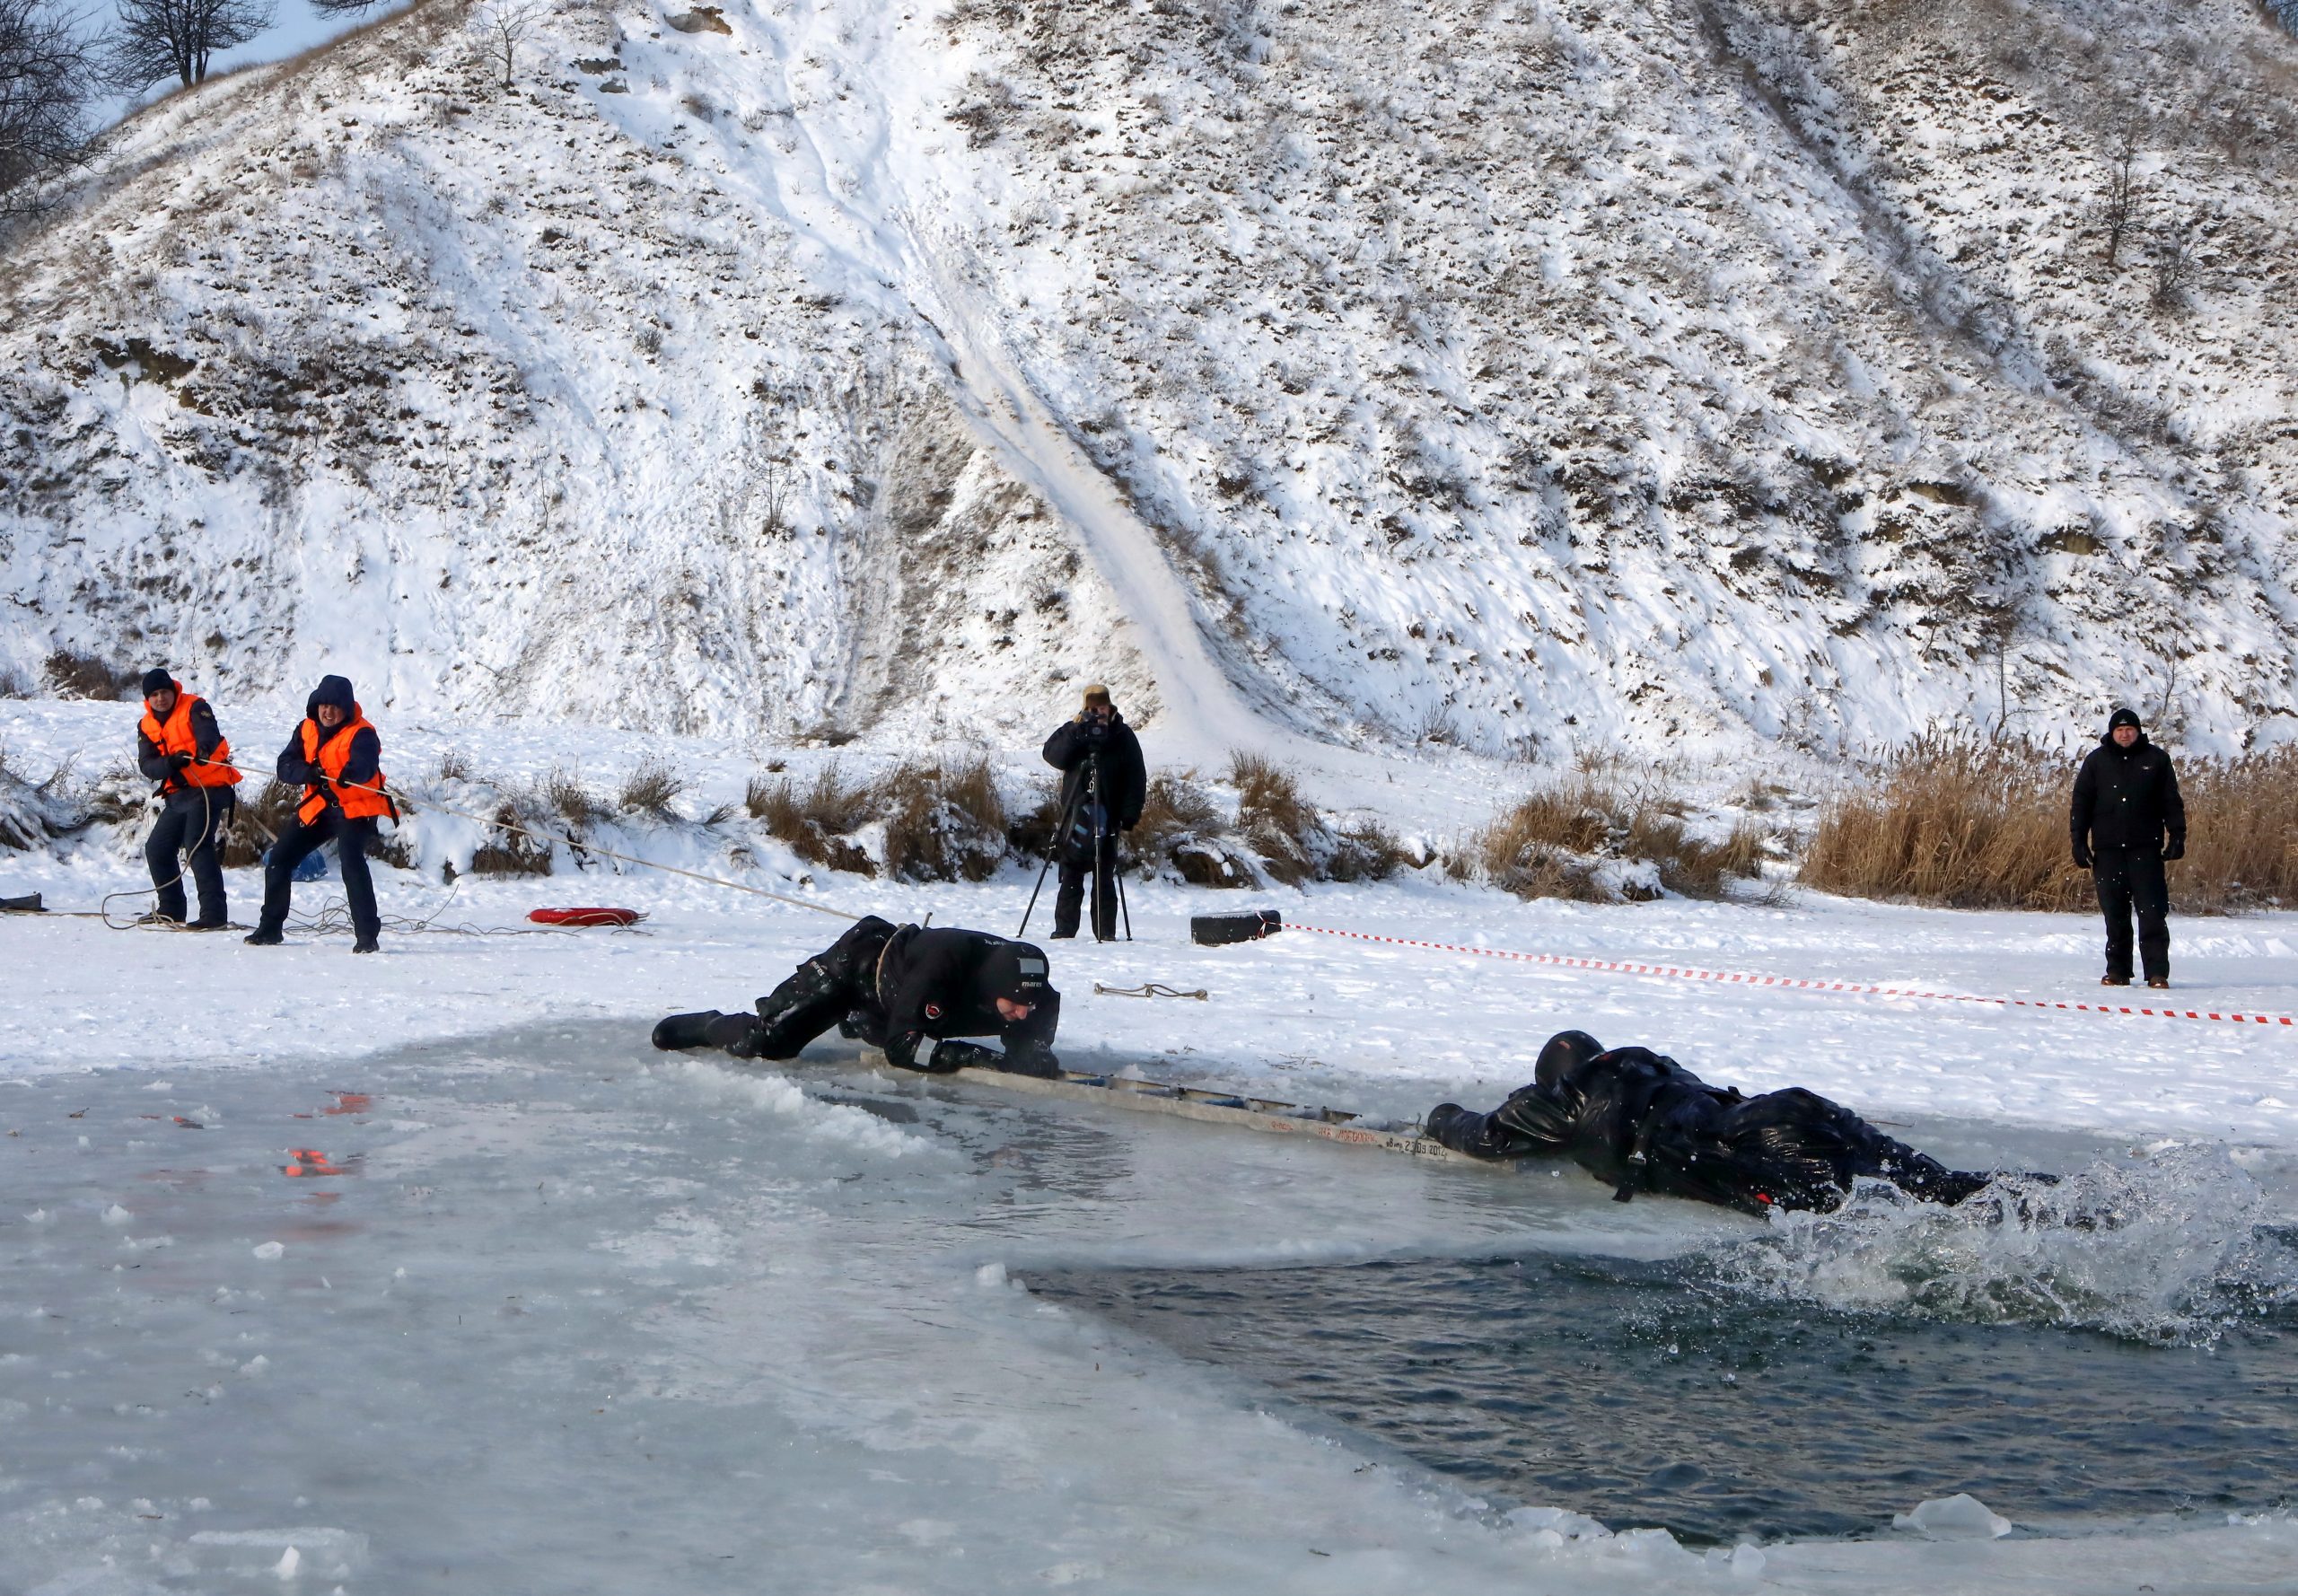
{"x": 1124, "y": 778}
{"x": 206, "y": 736}
{"x": 944, "y": 982}
{"x": 366, "y": 748}
{"x": 2127, "y": 798}
{"x": 1640, "y": 1122}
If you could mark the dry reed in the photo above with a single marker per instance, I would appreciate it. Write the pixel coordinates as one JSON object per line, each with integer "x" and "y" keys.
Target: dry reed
{"x": 1972, "y": 824}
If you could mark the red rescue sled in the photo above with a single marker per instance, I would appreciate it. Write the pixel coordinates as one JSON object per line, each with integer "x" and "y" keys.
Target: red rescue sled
{"x": 585, "y": 916}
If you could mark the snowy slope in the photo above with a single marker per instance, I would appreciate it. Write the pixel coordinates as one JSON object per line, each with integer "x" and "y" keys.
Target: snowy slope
{"x": 1510, "y": 376}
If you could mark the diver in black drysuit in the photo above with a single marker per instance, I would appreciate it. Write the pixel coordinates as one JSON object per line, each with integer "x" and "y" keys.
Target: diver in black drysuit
{"x": 898, "y": 988}
{"x": 1640, "y": 1122}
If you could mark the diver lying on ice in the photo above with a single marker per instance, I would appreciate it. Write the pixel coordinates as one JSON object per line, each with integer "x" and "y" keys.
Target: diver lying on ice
{"x": 1640, "y": 1122}
{"x": 898, "y": 988}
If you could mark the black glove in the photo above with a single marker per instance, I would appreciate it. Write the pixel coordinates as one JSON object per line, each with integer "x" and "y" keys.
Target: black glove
{"x": 178, "y": 762}
{"x": 2081, "y": 856}
{"x": 949, "y": 1057}
{"x": 1031, "y": 1059}
{"x": 2176, "y": 850}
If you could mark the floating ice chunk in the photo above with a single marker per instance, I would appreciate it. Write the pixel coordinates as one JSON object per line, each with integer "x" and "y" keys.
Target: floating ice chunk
{"x": 290, "y": 1561}
{"x": 40, "y": 1217}
{"x": 115, "y": 1214}
{"x": 255, "y": 1364}
{"x": 269, "y": 1249}
{"x": 1748, "y": 1561}
{"x": 1960, "y": 1517}
{"x": 989, "y": 1276}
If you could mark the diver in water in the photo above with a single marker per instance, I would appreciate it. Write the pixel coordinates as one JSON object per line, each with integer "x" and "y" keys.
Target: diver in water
{"x": 1640, "y": 1122}
{"x": 898, "y": 988}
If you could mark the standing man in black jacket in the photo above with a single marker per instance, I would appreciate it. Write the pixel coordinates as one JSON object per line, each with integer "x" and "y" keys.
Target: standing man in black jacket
{"x": 909, "y": 989}
{"x": 1103, "y": 785}
{"x": 2125, "y": 802}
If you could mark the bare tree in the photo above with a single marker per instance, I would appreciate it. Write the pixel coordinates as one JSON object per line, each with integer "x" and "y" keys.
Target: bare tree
{"x": 502, "y": 27}
{"x": 162, "y": 39}
{"x": 2122, "y": 192}
{"x": 48, "y": 77}
{"x": 2173, "y": 266}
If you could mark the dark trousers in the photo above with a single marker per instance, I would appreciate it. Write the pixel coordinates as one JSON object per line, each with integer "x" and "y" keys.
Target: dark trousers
{"x": 351, "y": 838}
{"x": 819, "y": 993}
{"x": 2130, "y": 879}
{"x": 190, "y": 824}
{"x": 1076, "y": 865}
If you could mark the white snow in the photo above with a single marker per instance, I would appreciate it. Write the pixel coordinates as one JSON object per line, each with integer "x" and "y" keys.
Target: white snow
{"x": 803, "y": 1309}
{"x": 1696, "y": 376}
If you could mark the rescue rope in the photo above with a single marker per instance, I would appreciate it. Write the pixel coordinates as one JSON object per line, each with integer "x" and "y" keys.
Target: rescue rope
{"x": 1152, "y": 989}
{"x": 1740, "y": 978}
{"x": 497, "y": 823}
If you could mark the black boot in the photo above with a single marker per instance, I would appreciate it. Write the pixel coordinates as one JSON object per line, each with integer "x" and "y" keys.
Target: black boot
{"x": 740, "y": 1034}
{"x": 680, "y": 1032}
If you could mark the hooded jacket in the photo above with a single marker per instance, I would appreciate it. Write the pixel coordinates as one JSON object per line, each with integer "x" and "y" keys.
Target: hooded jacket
{"x": 296, "y": 768}
{"x": 2126, "y": 799}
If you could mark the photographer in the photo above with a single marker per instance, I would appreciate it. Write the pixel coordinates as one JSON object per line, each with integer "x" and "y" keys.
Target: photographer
{"x": 1101, "y": 793}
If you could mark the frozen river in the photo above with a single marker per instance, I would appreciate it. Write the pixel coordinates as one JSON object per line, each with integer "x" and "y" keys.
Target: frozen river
{"x": 569, "y": 1316}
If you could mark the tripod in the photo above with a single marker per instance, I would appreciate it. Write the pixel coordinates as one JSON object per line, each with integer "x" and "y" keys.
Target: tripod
{"x": 1105, "y": 870}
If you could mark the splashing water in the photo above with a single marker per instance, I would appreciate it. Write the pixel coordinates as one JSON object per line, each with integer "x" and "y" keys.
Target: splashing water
{"x": 2170, "y": 1249}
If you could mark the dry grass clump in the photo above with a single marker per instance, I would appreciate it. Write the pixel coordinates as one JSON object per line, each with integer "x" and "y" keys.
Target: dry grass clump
{"x": 72, "y": 674}
{"x": 561, "y": 794}
{"x": 1972, "y": 824}
{"x": 509, "y": 852}
{"x": 30, "y": 811}
{"x": 1565, "y": 841}
{"x": 649, "y": 790}
{"x": 1182, "y": 826}
{"x": 817, "y": 822}
{"x": 1294, "y": 841}
{"x": 256, "y": 823}
{"x": 943, "y": 821}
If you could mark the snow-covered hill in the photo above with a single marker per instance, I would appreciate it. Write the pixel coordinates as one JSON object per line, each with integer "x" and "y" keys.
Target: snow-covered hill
{"x": 1512, "y": 375}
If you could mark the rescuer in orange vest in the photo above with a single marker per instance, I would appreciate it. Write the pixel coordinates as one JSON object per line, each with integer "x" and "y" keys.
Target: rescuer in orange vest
{"x": 179, "y": 746}
{"x": 336, "y": 756}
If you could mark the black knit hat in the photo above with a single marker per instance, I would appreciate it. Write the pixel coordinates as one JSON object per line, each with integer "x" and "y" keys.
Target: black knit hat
{"x": 2122, "y": 717}
{"x": 157, "y": 680}
{"x": 1015, "y": 970}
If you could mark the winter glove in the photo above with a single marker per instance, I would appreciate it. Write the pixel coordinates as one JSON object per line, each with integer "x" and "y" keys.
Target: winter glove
{"x": 178, "y": 762}
{"x": 2176, "y": 850}
{"x": 901, "y": 1052}
{"x": 1031, "y": 1059}
{"x": 949, "y": 1057}
{"x": 2081, "y": 856}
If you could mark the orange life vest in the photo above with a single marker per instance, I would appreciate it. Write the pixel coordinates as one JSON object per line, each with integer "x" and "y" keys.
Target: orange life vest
{"x": 173, "y": 736}
{"x": 331, "y": 756}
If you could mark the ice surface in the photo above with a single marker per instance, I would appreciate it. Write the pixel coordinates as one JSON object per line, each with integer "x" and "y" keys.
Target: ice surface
{"x": 587, "y": 1319}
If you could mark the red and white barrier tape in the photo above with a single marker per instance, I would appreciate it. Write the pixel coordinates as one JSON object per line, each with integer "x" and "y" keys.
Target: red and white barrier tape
{"x": 1682, "y": 972}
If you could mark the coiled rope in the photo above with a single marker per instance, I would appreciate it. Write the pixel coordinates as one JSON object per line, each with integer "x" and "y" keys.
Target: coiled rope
{"x": 323, "y": 923}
